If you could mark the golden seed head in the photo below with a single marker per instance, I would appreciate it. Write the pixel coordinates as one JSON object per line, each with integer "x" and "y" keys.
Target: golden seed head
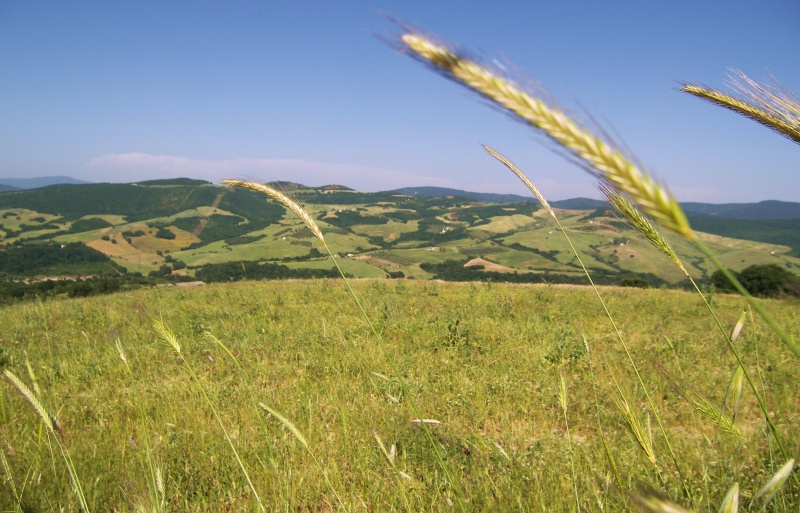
{"x": 556, "y": 125}
{"x": 283, "y": 199}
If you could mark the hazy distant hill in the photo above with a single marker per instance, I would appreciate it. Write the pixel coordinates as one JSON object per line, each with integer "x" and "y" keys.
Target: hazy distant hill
{"x": 770, "y": 209}
{"x": 175, "y": 181}
{"x": 6, "y": 188}
{"x": 42, "y": 181}
{"x": 785, "y": 232}
{"x": 579, "y": 204}
{"x": 479, "y": 196}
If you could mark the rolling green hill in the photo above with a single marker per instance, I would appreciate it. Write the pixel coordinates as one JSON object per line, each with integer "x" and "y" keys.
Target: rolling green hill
{"x": 189, "y": 228}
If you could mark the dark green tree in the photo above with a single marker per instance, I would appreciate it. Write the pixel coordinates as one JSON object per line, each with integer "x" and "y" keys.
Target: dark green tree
{"x": 768, "y": 280}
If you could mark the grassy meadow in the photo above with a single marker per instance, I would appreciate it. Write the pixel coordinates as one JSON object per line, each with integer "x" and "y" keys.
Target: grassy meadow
{"x": 485, "y": 360}
{"x": 432, "y": 396}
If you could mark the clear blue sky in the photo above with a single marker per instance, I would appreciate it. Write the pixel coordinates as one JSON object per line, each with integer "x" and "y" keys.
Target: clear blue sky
{"x": 303, "y": 91}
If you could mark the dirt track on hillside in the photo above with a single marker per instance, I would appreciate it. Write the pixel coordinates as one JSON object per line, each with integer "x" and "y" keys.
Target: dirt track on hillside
{"x": 204, "y": 221}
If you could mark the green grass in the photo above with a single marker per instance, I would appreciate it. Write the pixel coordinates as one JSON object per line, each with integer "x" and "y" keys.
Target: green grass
{"x": 388, "y": 232}
{"x": 482, "y": 359}
{"x": 356, "y": 268}
{"x": 220, "y": 252}
{"x": 502, "y": 224}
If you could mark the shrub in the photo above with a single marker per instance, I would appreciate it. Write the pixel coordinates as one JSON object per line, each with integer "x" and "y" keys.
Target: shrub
{"x": 165, "y": 233}
{"x": 769, "y": 280}
{"x": 635, "y": 282}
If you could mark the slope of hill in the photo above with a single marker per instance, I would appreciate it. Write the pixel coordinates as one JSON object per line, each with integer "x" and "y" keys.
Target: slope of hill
{"x": 187, "y": 227}
{"x": 42, "y": 181}
{"x": 478, "y": 196}
{"x": 770, "y": 209}
{"x": 579, "y": 204}
{"x": 782, "y": 231}
{"x": 7, "y": 188}
{"x": 174, "y": 181}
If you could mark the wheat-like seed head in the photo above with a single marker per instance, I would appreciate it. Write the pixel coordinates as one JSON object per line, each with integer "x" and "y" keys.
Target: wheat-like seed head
{"x": 730, "y": 504}
{"x": 655, "y": 502}
{"x": 641, "y": 223}
{"x": 167, "y": 335}
{"x": 283, "y": 199}
{"x": 771, "y": 106}
{"x": 562, "y": 393}
{"x": 735, "y": 391}
{"x": 160, "y": 483}
{"x": 746, "y": 109}
{"x": 123, "y": 356}
{"x": 32, "y": 375}
{"x": 632, "y": 423}
{"x": 737, "y": 328}
{"x": 702, "y": 404}
{"x": 775, "y": 483}
{"x": 593, "y": 151}
{"x": 382, "y": 447}
{"x": 502, "y": 451}
{"x": 514, "y": 169}
{"x": 45, "y": 414}
{"x": 419, "y": 422}
{"x": 287, "y": 424}
{"x": 9, "y": 476}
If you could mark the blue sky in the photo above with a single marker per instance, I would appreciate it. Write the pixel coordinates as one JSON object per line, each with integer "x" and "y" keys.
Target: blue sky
{"x": 304, "y": 91}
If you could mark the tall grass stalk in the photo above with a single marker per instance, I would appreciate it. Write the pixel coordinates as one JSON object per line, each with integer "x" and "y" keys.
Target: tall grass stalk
{"x": 774, "y": 484}
{"x": 556, "y": 125}
{"x": 771, "y": 105}
{"x": 590, "y": 151}
{"x": 606, "y": 448}
{"x": 50, "y": 422}
{"x": 9, "y": 478}
{"x": 653, "y": 502}
{"x": 562, "y": 399}
{"x": 300, "y": 212}
{"x": 172, "y": 340}
{"x": 702, "y": 404}
{"x": 730, "y": 504}
{"x": 763, "y": 389}
{"x": 787, "y": 340}
{"x": 635, "y": 368}
{"x": 400, "y": 476}
{"x": 631, "y": 420}
{"x": 155, "y": 484}
{"x": 247, "y": 379}
{"x": 650, "y": 232}
{"x": 302, "y": 439}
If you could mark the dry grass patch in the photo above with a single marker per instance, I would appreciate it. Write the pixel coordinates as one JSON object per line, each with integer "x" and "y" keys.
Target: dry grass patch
{"x": 489, "y": 266}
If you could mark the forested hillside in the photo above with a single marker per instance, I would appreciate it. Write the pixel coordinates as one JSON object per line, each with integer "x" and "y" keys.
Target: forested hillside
{"x": 184, "y": 229}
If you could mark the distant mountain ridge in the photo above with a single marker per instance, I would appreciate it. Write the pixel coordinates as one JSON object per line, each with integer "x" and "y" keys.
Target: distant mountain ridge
{"x": 35, "y": 183}
{"x": 760, "y": 211}
{"x": 768, "y": 209}
{"x": 487, "y": 197}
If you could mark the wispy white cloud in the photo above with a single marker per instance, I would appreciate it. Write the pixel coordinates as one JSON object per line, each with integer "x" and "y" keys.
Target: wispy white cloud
{"x": 137, "y": 166}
